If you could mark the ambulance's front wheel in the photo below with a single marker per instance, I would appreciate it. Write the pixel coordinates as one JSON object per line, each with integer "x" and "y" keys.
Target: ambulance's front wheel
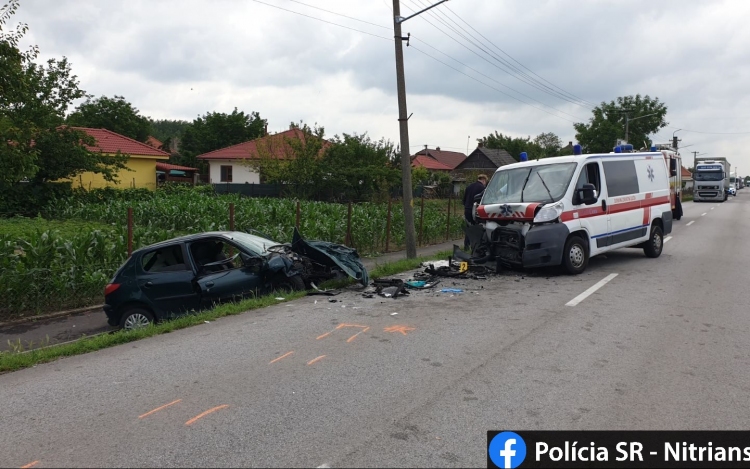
{"x": 655, "y": 242}
{"x": 575, "y": 255}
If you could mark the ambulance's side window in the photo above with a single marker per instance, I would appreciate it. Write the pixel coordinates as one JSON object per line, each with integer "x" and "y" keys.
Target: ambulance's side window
{"x": 589, "y": 175}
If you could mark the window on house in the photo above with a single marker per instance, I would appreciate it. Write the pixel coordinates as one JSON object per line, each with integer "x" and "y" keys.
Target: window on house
{"x": 226, "y": 174}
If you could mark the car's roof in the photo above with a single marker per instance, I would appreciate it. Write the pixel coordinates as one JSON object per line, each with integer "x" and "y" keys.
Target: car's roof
{"x": 575, "y": 159}
{"x": 204, "y": 235}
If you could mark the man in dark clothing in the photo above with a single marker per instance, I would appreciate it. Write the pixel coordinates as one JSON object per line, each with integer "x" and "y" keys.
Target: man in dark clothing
{"x": 471, "y": 192}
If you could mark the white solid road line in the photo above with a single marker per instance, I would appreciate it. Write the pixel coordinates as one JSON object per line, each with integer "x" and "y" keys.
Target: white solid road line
{"x": 591, "y": 290}
{"x": 667, "y": 239}
{"x": 690, "y": 223}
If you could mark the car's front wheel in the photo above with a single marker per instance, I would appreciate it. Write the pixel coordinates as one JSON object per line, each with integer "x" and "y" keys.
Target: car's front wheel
{"x": 575, "y": 255}
{"x": 136, "y": 318}
{"x": 655, "y": 243}
{"x": 289, "y": 284}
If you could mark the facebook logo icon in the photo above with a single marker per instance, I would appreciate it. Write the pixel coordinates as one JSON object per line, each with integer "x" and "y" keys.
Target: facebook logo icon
{"x": 507, "y": 450}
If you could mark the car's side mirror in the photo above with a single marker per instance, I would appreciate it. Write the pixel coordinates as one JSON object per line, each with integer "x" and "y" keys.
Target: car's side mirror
{"x": 587, "y": 194}
{"x": 672, "y": 167}
{"x": 478, "y": 197}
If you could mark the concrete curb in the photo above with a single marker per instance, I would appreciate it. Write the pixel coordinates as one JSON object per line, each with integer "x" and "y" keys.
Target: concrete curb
{"x": 58, "y": 314}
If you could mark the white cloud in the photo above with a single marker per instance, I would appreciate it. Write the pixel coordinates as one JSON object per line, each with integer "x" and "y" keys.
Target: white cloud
{"x": 693, "y": 55}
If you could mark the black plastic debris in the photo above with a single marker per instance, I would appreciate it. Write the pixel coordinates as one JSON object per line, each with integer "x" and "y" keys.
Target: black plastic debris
{"x": 390, "y": 288}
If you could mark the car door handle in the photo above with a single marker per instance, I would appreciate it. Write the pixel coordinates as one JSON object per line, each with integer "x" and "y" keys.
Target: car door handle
{"x": 209, "y": 284}
{"x": 604, "y": 205}
{"x": 148, "y": 284}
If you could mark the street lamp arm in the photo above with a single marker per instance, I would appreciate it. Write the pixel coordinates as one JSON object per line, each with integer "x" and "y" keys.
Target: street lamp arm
{"x": 401, "y": 19}
{"x": 641, "y": 117}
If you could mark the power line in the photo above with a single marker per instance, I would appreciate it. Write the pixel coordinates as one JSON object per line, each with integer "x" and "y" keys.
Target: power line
{"x": 434, "y": 58}
{"x": 516, "y": 61}
{"x": 494, "y": 80}
{"x": 340, "y": 14}
{"x": 324, "y": 21}
{"x": 505, "y": 67}
{"x": 490, "y": 86}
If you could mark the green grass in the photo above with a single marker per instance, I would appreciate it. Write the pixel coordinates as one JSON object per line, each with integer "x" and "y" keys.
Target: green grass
{"x": 21, "y": 227}
{"x": 687, "y": 197}
{"x": 16, "y": 360}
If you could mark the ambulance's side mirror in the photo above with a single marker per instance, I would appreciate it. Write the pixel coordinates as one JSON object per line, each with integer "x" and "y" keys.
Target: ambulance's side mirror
{"x": 587, "y": 194}
{"x": 672, "y": 167}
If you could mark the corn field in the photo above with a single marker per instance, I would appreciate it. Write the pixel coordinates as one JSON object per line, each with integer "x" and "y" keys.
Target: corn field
{"x": 46, "y": 271}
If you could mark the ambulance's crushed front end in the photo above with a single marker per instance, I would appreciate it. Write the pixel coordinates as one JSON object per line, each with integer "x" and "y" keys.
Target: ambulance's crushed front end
{"x": 520, "y": 214}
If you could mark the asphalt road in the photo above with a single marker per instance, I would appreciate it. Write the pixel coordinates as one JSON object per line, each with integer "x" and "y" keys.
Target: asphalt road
{"x": 662, "y": 345}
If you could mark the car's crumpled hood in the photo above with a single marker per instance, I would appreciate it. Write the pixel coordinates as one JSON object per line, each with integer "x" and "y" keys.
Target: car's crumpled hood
{"x": 332, "y": 254}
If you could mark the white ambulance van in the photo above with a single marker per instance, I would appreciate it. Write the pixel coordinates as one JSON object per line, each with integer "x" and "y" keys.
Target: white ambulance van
{"x": 564, "y": 210}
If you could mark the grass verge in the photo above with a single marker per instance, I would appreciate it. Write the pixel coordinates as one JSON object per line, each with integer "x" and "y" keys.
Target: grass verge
{"x": 13, "y": 361}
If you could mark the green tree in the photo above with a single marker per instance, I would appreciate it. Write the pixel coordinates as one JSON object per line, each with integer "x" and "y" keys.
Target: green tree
{"x": 645, "y": 116}
{"x": 164, "y": 129}
{"x": 357, "y": 168}
{"x": 33, "y": 101}
{"x": 115, "y": 114}
{"x": 513, "y": 145}
{"x": 295, "y": 162}
{"x": 549, "y": 144}
{"x": 217, "y": 130}
{"x": 65, "y": 156}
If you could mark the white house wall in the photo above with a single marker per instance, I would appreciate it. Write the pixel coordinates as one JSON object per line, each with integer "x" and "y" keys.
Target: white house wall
{"x": 240, "y": 173}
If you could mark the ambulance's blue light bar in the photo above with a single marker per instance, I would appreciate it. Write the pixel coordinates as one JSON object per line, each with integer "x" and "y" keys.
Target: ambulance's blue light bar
{"x": 524, "y": 156}
{"x": 653, "y": 147}
{"x": 618, "y": 149}
{"x": 577, "y": 149}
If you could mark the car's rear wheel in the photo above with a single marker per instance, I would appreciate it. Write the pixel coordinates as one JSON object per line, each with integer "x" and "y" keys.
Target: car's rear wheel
{"x": 289, "y": 284}
{"x": 136, "y": 318}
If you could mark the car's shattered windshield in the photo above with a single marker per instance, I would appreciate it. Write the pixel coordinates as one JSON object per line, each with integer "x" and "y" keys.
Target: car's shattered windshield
{"x": 546, "y": 183}
{"x": 252, "y": 243}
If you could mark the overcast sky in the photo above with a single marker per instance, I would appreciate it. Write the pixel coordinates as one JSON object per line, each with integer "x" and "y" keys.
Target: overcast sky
{"x": 179, "y": 59}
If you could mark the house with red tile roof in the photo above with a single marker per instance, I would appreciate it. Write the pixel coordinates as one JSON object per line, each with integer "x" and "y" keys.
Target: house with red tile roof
{"x": 451, "y": 159}
{"x": 141, "y": 164}
{"x": 154, "y": 142}
{"x": 687, "y": 179}
{"x": 229, "y": 165}
{"x": 429, "y": 164}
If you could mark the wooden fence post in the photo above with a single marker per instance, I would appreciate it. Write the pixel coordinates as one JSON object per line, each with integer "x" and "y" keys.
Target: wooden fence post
{"x": 388, "y": 226}
{"x": 130, "y": 231}
{"x": 349, "y": 226}
{"x": 448, "y": 227}
{"x": 421, "y": 219}
{"x": 298, "y": 215}
{"x": 231, "y": 217}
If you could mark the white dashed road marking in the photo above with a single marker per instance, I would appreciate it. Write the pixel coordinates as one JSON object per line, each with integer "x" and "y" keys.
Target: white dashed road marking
{"x": 690, "y": 223}
{"x": 703, "y": 214}
{"x": 591, "y": 290}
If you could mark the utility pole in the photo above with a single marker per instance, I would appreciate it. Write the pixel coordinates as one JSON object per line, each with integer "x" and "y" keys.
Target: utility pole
{"x": 403, "y": 121}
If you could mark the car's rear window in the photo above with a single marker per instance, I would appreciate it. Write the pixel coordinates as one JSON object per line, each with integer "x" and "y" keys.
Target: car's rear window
{"x": 164, "y": 259}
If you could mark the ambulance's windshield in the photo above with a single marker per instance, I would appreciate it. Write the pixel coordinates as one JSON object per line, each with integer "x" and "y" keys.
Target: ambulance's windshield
{"x": 543, "y": 184}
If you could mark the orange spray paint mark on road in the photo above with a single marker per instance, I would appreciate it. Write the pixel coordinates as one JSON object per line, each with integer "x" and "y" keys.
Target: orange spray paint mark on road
{"x": 316, "y": 359}
{"x": 341, "y": 326}
{"x": 358, "y": 333}
{"x": 203, "y": 414}
{"x": 281, "y": 357}
{"x": 159, "y": 408}
{"x": 401, "y": 329}
{"x": 31, "y": 464}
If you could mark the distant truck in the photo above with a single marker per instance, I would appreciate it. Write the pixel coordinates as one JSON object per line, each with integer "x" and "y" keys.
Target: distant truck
{"x": 712, "y": 179}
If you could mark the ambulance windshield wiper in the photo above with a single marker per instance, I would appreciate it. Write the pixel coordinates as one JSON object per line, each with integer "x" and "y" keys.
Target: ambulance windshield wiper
{"x": 525, "y": 182}
{"x": 551, "y": 199}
